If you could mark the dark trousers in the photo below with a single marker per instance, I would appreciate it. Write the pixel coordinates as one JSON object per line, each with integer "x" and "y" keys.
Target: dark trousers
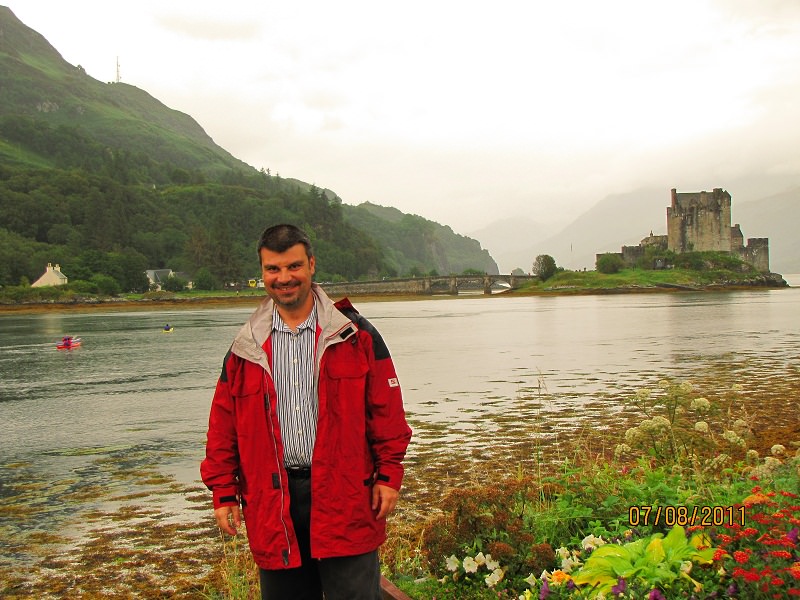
{"x": 343, "y": 578}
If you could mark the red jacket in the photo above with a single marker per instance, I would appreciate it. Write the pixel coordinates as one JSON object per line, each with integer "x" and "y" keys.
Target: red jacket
{"x": 362, "y": 436}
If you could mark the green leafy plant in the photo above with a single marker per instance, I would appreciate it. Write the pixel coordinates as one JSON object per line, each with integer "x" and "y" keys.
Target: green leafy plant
{"x": 654, "y": 561}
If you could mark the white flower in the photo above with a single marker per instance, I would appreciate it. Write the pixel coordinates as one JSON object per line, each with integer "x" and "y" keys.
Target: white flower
{"x": 493, "y": 579}
{"x": 491, "y": 564}
{"x": 686, "y": 387}
{"x": 778, "y": 450}
{"x": 569, "y": 563}
{"x": 686, "y": 566}
{"x": 562, "y": 553}
{"x": 531, "y": 580}
{"x": 621, "y": 449}
{"x": 480, "y": 559}
{"x": 634, "y": 435}
{"x": 733, "y": 438}
{"x": 701, "y": 427}
{"x": 590, "y": 542}
{"x": 469, "y": 564}
{"x": 453, "y": 563}
{"x": 700, "y": 405}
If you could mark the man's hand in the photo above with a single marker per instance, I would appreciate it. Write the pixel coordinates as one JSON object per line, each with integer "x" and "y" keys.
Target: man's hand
{"x": 384, "y": 499}
{"x": 228, "y": 518}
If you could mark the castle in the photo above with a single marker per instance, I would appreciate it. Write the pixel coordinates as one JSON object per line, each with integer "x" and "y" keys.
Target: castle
{"x": 699, "y": 222}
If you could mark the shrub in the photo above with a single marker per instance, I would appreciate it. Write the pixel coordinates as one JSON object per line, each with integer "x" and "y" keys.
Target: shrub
{"x": 609, "y": 263}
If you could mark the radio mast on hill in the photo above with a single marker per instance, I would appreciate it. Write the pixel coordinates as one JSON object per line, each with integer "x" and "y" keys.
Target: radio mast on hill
{"x": 118, "y": 76}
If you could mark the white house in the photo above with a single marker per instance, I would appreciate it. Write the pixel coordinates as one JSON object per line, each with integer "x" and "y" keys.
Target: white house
{"x": 52, "y": 276}
{"x": 158, "y": 277}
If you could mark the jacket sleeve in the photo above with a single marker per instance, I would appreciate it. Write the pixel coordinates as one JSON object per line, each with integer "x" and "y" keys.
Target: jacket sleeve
{"x": 387, "y": 429}
{"x": 220, "y": 468}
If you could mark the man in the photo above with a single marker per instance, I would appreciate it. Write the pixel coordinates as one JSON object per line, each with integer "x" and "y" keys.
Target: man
{"x": 307, "y": 434}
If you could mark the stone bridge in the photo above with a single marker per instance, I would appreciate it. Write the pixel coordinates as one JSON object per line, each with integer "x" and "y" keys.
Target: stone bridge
{"x": 428, "y": 286}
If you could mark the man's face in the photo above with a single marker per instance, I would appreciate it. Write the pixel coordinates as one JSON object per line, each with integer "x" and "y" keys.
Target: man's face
{"x": 287, "y": 276}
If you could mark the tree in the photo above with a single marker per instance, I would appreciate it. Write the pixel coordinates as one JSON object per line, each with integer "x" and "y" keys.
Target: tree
{"x": 609, "y": 263}
{"x": 106, "y": 285}
{"x": 175, "y": 284}
{"x": 544, "y": 266}
{"x": 204, "y": 280}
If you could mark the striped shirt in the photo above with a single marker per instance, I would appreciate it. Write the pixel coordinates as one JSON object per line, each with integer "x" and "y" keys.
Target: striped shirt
{"x": 293, "y": 374}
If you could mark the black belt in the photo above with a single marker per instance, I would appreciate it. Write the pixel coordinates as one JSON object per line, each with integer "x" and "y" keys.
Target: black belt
{"x": 298, "y": 472}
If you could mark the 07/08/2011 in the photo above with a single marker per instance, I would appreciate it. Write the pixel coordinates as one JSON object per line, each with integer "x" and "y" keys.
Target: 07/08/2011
{"x": 669, "y": 516}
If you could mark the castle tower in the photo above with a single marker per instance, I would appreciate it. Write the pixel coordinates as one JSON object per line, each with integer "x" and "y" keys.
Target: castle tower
{"x": 699, "y": 221}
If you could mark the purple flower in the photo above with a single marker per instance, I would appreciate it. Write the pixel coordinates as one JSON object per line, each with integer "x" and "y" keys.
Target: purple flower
{"x": 544, "y": 592}
{"x": 793, "y": 534}
{"x": 655, "y": 594}
{"x": 620, "y": 587}
{"x": 732, "y": 590}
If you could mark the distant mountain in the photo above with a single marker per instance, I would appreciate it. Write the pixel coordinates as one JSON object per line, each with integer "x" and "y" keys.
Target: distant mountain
{"x": 616, "y": 220}
{"x": 38, "y": 84}
{"x": 625, "y": 219}
{"x": 509, "y": 236}
{"x": 412, "y": 243}
{"x": 776, "y": 217}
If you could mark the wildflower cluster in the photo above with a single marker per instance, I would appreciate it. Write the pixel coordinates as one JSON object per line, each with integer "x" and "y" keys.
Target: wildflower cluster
{"x": 469, "y": 567}
{"x": 680, "y": 426}
{"x": 762, "y": 556}
{"x": 550, "y": 582}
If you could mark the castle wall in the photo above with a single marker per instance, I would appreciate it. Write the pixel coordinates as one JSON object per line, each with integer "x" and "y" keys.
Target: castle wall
{"x": 699, "y": 221}
{"x": 756, "y": 253}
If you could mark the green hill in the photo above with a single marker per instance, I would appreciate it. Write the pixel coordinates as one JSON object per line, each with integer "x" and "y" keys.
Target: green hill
{"x": 107, "y": 181}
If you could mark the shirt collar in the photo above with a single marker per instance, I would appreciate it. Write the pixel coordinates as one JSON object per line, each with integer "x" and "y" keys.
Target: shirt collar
{"x": 278, "y": 323}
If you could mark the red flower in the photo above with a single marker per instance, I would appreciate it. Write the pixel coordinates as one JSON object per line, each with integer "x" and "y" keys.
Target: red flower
{"x": 780, "y": 554}
{"x": 741, "y": 556}
{"x": 726, "y": 539}
{"x": 750, "y": 531}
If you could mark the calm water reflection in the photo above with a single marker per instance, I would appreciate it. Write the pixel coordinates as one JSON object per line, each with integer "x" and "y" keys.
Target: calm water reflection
{"x": 473, "y": 370}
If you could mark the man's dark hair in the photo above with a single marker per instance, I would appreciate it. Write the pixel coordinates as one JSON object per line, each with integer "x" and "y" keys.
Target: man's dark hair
{"x": 279, "y": 238}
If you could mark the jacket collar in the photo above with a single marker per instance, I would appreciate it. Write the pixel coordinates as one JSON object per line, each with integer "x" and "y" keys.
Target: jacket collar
{"x": 249, "y": 341}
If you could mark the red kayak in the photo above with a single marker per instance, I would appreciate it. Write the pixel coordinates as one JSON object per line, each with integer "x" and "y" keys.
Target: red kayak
{"x": 68, "y": 343}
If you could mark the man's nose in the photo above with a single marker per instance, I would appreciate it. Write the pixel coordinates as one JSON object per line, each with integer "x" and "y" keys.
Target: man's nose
{"x": 284, "y": 276}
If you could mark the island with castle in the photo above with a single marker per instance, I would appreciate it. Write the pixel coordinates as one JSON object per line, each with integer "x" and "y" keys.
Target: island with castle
{"x": 701, "y": 222}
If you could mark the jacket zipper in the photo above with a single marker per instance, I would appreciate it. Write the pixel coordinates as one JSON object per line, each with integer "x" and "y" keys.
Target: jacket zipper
{"x": 287, "y": 553}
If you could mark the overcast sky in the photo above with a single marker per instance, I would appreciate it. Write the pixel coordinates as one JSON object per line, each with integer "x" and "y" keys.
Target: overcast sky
{"x": 463, "y": 112}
